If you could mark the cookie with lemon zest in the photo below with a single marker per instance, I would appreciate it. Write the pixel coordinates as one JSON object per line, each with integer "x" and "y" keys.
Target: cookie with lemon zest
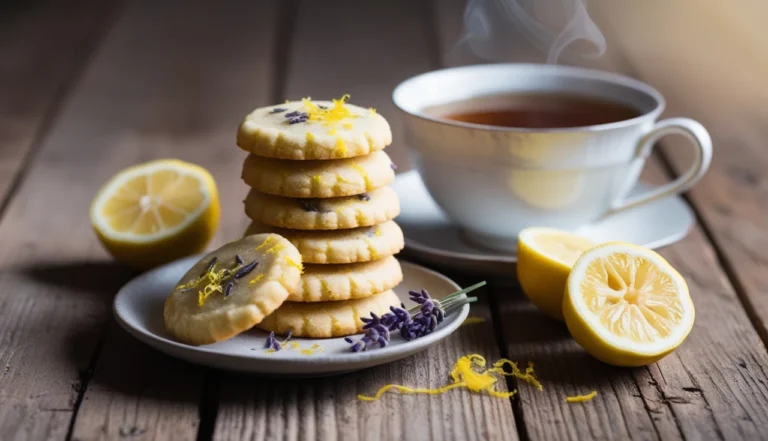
{"x": 322, "y": 283}
{"x": 309, "y": 129}
{"x": 318, "y": 179}
{"x": 470, "y": 373}
{"x": 365, "y": 210}
{"x": 327, "y": 319}
{"x": 341, "y": 246}
{"x": 232, "y": 289}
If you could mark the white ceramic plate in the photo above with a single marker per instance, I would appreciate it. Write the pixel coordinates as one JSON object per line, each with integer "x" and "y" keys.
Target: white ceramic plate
{"x": 430, "y": 236}
{"x": 139, "y": 309}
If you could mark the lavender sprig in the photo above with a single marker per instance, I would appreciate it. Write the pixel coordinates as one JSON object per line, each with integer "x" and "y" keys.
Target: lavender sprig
{"x": 416, "y": 322}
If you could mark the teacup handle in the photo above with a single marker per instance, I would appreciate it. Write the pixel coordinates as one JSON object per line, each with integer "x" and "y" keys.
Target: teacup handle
{"x": 692, "y": 130}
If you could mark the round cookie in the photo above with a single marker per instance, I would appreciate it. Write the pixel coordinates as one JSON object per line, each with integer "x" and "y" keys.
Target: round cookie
{"x": 327, "y": 319}
{"x": 318, "y": 179}
{"x": 232, "y": 289}
{"x": 323, "y": 214}
{"x": 340, "y": 246}
{"x": 322, "y": 283}
{"x": 313, "y": 130}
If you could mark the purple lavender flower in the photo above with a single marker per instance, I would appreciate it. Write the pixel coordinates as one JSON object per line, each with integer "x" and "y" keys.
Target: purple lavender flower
{"x": 272, "y": 342}
{"x": 275, "y": 345}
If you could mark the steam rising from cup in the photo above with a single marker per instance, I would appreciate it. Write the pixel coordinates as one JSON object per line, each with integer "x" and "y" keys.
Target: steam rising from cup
{"x": 525, "y": 30}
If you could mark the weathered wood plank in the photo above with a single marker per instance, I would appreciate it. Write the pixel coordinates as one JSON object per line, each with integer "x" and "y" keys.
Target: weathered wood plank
{"x": 175, "y": 106}
{"x": 332, "y": 55}
{"x": 714, "y": 386}
{"x": 43, "y": 48}
{"x": 146, "y": 95}
{"x": 719, "y": 84}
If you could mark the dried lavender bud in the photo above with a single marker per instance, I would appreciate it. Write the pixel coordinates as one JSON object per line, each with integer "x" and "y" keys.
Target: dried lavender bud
{"x": 393, "y": 165}
{"x": 278, "y": 110}
{"x": 293, "y": 114}
{"x": 308, "y": 206}
{"x": 272, "y": 342}
{"x": 238, "y": 260}
{"x": 210, "y": 266}
{"x": 244, "y": 271}
{"x": 322, "y": 106}
{"x": 364, "y": 197}
{"x": 228, "y": 289}
{"x": 371, "y": 232}
{"x": 298, "y": 120}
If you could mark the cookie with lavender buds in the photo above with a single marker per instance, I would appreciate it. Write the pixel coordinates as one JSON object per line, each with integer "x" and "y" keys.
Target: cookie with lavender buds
{"x": 322, "y": 283}
{"x": 307, "y": 129}
{"x": 327, "y": 319}
{"x": 340, "y": 246}
{"x": 318, "y": 179}
{"x": 232, "y": 289}
{"x": 362, "y": 210}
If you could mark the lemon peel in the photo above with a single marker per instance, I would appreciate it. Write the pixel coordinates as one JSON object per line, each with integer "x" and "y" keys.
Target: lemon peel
{"x": 336, "y": 113}
{"x": 469, "y": 372}
{"x": 581, "y": 398}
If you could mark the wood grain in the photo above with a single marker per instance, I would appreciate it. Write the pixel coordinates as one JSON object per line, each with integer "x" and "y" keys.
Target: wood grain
{"x": 333, "y": 55}
{"x": 173, "y": 106}
{"x": 720, "y": 83}
{"x": 713, "y": 387}
{"x": 719, "y": 371}
{"x": 146, "y": 95}
{"x": 43, "y": 48}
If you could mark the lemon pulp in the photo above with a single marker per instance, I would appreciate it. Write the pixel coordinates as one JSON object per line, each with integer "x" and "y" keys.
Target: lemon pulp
{"x": 626, "y": 305}
{"x": 156, "y": 212}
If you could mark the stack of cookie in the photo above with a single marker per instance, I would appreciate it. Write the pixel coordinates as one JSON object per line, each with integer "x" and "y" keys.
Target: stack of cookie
{"x": 319, "y": 178}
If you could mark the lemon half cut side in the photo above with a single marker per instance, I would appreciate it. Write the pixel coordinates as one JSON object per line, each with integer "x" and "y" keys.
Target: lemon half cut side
{"x": 156, "y": 212}
{"x": 626, "y": 305}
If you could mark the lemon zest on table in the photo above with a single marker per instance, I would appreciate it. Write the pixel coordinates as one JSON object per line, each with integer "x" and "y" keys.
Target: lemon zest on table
{"x": 581, "y": 398}
{"x": 469, "y": 372}
{"x": 473, "y": 321}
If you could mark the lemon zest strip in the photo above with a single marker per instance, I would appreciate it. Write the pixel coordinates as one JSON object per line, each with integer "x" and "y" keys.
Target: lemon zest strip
{"x": 469, "y": 372}
{"x": 581, "y": 398}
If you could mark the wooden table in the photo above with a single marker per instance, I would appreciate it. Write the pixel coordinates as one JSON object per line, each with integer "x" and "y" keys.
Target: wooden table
{"x": 90, "y": 88}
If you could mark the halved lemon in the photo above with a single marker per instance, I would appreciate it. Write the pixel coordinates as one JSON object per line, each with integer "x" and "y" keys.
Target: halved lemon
{"x": 544, "y": 260}
{"x": 156, "y": 212}
{"x": 626, "y": 305}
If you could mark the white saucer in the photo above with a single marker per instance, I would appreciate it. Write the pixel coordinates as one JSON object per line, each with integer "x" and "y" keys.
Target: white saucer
{"x": 139, "y": 309}
{"x": 433, "y": 238}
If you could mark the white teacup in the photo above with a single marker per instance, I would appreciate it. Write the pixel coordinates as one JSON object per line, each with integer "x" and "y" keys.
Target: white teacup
{"x": 494, "y": 181}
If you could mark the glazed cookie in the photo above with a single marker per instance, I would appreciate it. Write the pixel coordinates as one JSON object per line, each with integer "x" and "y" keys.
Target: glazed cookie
{"x": 313, "y": 130}
{"x": 323, "y": 214}
{"x": 318, "y": 179}
{"x": 233, "y": 288}
{"x": 327, "y": 319}
{"x": 322, "y": 283}
{"x": 341, "y": 246}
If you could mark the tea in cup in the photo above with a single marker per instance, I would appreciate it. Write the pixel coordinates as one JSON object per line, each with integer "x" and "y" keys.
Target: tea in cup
{"x": 503, "y": 147}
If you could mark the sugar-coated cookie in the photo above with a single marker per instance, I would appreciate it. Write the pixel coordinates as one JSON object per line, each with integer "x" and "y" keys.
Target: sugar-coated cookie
{"x": 327, "y": 319}
{"x": 361, "y": 210}
{"x": 323, "y": 283}
{"x": 318, "y": 179}
{"x": 232, "y": 289}
{"x": 313, "y": 130}
{"x": 341, "y": 246}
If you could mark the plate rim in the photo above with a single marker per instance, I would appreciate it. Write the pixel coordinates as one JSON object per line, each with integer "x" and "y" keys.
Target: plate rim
{"x": 179, "y": 350}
